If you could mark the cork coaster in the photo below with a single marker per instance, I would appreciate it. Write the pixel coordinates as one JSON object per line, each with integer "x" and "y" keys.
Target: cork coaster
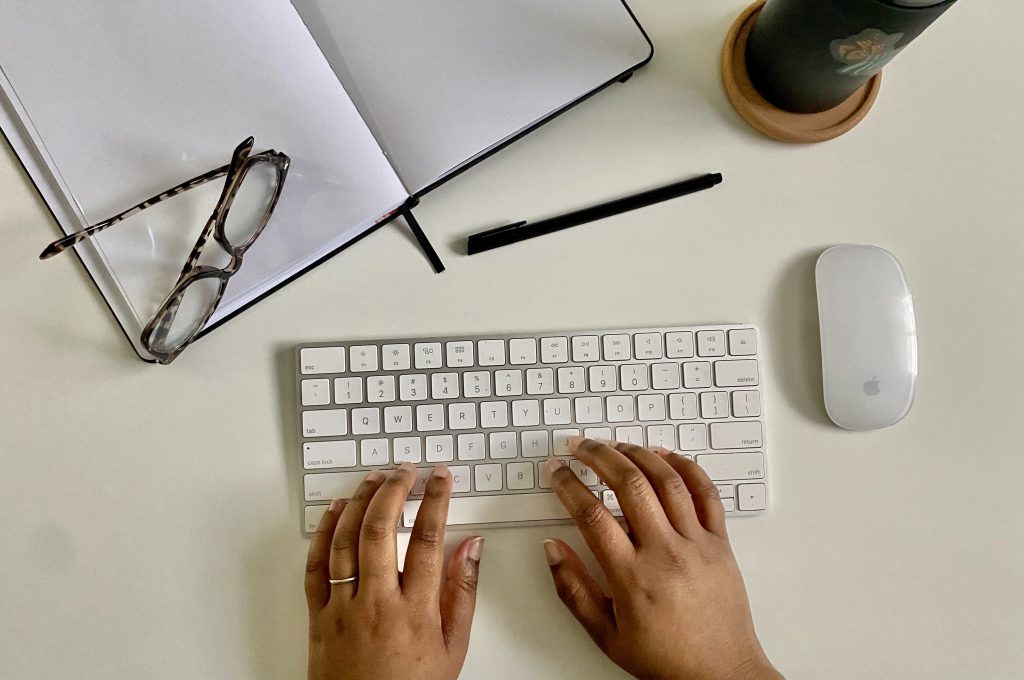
{"x": 801, "y": 128}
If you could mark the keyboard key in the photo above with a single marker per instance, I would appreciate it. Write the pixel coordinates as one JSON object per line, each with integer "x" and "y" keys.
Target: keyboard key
{"x": 408, "y": 450}
{"x": 696, "y": 374}
{"x": 380, "y": 388}
{"x": 508, "y": 383}
{"x": 488, "y": 477}
{"x": 572, "y": 380}
{"x": 584, "y": 473}
{"x": 522, "y": 351}
{"x": 322, "y": 360}
{"x": 444, "y": 385}
{"x": 693, "y": 437}
{"x": 529, "y": 507}
{"x": 746, "y": 403}
{"x": 620, "y": 409}
{"x": 743, "y": 342}
{"x": 663, "y": 436}
{"x": 751, "y": 497}
{"x": 647, "y": 346}
{"x": 651, "y": 407}
{"x": 326, "y": 486}
{"x": 540, "y": 381}
{"x": 471, "y": 447}
{"x": 554, "y": 350}
{"x": 504, "y": 445}
{"x": 711, "y": 343}
{"x": 729, "y": 504}
{"x": 493, "y": 414}
{"x": 560, "y": 441}
{"x": 440, "y": 448}
{"x": 665, "y": 376}
{"x": 726, "y": 490}
{"x": 634, "y": 434}
{"x": 535, "y": 444}
{"x": 365, "y": 420}
{"x": 744, "y": 434}
{"x": 611, "y": 502}
{"x": 634, "y": 377}
{"x": 325, "y": 423}
{"x": 616, "y": 348}
{"x": 525, "y": 412}
{"x": 726, "y": 466}
{"x": 682, "y": 406}
{"x": 601, "y": 434}
{"x": 316, "y": 455}
{"x": 316, "y": 392}
{"x": 459, "y": 354}
{"x": 412, "y": 387}
{"x": 589, "y": 410}
{"x": 430, "y": 417}
{"x": 398, "y": 419}
{"x": 462, "y": 416}
{"x": 476, "y": 383}
{"x": 603, "y": 379}
{"x": 364, "y": 358}
{"x": 460, "y": 479}
{"x": 395, "y": 357}
{"x": 714, "y": 405}
{"x": 490, "y": 352}
{"x": 736, "y": 373}
{"x": 428, "y": 355}
{"x": 679, "y": 345}
{"x": 313, "y": 515}
{"x": 586, "y": 348}
{"x": 419, "y": 487}
{"x": 557, "y": 412}
{"x": 374, "y": 452}
{"x": 348, "y": 390}
{"x": 519, "y": 476}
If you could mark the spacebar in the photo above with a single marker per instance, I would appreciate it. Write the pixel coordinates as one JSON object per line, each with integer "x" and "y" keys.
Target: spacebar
{"x": 527, "y": 507}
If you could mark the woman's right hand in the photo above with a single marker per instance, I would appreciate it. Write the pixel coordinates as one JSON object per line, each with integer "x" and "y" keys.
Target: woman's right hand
{"x": 677, "y": 608}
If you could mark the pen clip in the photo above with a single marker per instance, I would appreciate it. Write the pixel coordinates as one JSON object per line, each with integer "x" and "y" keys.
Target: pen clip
{"x": 500, "y": 230}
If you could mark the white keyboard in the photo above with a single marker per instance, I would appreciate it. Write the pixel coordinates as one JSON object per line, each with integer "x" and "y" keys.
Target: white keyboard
{"x": 494, "y": 408}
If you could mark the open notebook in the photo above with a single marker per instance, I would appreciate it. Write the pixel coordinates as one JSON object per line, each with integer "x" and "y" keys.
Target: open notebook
{"x": 375, "y": 101}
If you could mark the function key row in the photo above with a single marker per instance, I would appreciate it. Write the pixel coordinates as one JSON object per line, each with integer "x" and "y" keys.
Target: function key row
{"x": 528, "y": 351}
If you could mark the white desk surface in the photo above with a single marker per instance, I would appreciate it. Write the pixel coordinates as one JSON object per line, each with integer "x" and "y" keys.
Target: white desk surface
{"x": 149, "y": 515}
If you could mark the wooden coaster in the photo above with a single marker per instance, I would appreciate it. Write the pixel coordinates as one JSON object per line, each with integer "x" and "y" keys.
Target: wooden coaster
{"x": 800, "y": 128}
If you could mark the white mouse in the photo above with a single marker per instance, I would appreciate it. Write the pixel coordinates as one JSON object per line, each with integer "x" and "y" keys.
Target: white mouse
{"x": 868, "y": 337}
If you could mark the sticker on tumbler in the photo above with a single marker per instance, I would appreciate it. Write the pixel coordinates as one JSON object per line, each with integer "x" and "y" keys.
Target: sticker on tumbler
{"x": 865, "y": 53}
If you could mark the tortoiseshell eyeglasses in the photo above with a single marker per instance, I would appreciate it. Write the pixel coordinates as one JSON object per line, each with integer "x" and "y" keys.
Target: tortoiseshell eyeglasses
{"x": 250, "y": 194}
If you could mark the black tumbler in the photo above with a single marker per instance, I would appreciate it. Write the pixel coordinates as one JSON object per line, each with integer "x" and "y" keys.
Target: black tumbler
{"x": 807, "y": 56}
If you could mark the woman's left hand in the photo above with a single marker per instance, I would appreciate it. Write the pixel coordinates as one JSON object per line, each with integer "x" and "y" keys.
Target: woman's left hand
{"x": 386, "y": 625}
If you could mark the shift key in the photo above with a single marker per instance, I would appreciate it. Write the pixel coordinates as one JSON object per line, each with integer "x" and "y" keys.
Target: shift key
{"x": 728, "y": 466}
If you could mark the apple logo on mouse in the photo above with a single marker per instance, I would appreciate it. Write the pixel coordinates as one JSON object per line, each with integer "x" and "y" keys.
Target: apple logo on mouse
{"x": 872, "y": 387}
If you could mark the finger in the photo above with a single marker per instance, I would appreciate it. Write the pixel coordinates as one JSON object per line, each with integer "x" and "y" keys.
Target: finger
{"x": 672, "y": 492}
{"x": 318, "y": 590}
{"x": 600, "y": 530}
{"x": 345, "y": 546}
{"x": 707, "y": 501}
{"x": 579, "y": 592}
{"x": 378, "y": 547}
{"x": 636, "y": 496}
{"x": 424, "y": 560}
{"x": 458, "y": 594}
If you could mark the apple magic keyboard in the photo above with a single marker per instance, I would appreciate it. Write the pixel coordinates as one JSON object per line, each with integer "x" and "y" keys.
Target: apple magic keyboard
{"x": 493, "y": 408}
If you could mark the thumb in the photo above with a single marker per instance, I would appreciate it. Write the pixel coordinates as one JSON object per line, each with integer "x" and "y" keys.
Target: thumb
{"x": 458, "y": 595}
{"x": 580, "y": 592}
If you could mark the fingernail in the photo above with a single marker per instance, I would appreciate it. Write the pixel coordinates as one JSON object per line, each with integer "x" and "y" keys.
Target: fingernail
{"x": 375, "y": 476}
{"x": 407, "y": 466}
{"x": 662, "y": 451}
{"x": 336, "y": 505}
{"x": 554, "y": 464}
{"x": 475, "y": 549}
{"x": 441, "y": 471}
{"x": 552, "y": 552}
{"x": 574, "y": 442}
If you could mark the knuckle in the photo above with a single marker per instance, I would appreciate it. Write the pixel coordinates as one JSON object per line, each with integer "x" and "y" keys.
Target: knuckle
{"x": 343, "y": 540}
{"x": 709, "y": 490}
{"x": 674, "y": 485}
{"x": 591, "y": 515}
{"x": 376, "y": 531}
{"x": 570, "y": 592}
{"x": 315, "y": 565}
{"x": 467, "y": 584}
{"x": 634, "y": 481}
{"x": 428, "y": 536}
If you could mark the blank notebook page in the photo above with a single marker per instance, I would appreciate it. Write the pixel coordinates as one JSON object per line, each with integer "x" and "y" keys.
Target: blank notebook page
{"x": 440, "y": 81}
{"x": 130, "y": 99}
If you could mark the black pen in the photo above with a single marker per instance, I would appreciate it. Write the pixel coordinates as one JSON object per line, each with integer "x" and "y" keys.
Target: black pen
{"x": 520, "y": 231}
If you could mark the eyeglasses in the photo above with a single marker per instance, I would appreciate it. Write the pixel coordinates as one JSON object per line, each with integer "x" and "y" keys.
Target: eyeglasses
{"x": 250, "y": 194}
